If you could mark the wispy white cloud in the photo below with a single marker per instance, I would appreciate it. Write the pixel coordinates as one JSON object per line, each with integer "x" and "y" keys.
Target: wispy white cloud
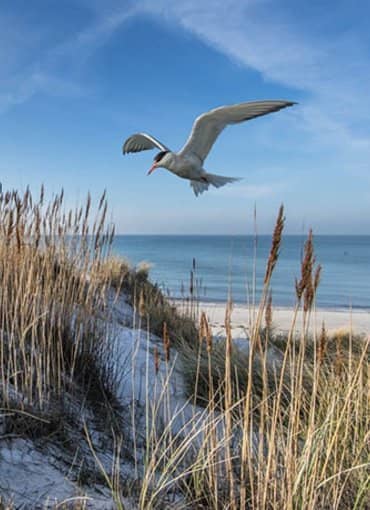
{"x": 333, "y": 70}
{"x": 84, "y": 43}
{"x": 21, "y": 88}
{"x": 22, "y": 75}
{"x": 256, "y": 33}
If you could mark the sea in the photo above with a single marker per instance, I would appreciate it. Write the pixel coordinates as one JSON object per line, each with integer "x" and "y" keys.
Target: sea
{"x": 234, "y": 265}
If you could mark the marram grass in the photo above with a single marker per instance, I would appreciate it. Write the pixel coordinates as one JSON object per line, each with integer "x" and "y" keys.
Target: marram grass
{"x": 294, "y": 434}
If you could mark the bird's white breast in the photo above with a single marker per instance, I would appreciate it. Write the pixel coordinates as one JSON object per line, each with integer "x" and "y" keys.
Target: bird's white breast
{"x": 188, "y": 167}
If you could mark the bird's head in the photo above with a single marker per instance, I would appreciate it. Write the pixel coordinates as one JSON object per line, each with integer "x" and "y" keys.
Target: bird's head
{"x": 162, "y": 159}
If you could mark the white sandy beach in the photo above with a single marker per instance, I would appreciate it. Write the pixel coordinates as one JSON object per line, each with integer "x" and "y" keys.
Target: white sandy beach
{"x": 356, "y": 320}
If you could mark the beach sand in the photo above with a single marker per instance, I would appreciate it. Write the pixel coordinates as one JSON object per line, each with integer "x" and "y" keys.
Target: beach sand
{"x": 356, "y": 320}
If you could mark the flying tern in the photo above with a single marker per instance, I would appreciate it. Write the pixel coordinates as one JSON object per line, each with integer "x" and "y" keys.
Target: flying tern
{"x": 188, "y": 162}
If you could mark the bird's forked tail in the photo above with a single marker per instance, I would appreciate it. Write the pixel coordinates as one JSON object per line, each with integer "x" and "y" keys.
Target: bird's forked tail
{"x": 211, "y": 179}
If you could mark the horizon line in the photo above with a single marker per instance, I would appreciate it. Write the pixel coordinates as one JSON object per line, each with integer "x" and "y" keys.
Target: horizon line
{"x": 239, "y": 234}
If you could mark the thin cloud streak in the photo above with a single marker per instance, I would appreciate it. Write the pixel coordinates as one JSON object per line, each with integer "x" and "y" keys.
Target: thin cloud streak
{"x": 245, "y": 33}
{"x": 43, "y": 75}
{"x": 277, "y": 50}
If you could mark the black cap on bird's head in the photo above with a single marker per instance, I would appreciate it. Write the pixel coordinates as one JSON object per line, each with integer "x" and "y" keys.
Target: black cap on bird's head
{"x": 157, "y": 159}
{"x": 159, "y": 156}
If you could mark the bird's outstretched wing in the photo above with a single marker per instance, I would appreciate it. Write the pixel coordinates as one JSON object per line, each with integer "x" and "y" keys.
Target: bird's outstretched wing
{"x": 209, "y": 125}
{"x": 142, "y": 142}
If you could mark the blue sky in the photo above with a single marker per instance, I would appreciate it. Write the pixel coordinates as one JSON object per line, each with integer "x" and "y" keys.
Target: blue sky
{"x": 79, "y": 76}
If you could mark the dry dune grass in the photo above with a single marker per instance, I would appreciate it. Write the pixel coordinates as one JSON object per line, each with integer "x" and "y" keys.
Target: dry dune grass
{"x": 283, "y": 435}
{"x": 53, "y": 343}
{"x": 287, "y": 435}
{"x": 293, "y": 434}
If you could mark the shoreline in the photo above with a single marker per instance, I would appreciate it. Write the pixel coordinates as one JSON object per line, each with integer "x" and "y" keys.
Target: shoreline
{"x": 356, "y": 320}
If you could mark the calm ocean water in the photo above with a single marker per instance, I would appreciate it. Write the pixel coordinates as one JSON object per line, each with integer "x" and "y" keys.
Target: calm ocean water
{"x": 224, "y": 262}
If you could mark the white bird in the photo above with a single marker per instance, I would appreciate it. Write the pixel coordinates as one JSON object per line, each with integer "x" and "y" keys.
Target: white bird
{"x": 188, "y": 162}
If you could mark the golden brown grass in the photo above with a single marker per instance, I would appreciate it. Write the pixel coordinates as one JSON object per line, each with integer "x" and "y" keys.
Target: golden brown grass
{"x": 54, "y": 345}
{"x": 287, "y": 435}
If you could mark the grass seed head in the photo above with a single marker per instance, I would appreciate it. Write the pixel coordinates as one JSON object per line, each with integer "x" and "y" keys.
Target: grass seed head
{"x": 322, "y": 344}
{"x": 166, "y": 342}
{"x": 275, "y": 245}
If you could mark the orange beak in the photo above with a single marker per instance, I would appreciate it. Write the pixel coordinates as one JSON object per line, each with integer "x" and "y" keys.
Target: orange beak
{"x": 152, "y": 168}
